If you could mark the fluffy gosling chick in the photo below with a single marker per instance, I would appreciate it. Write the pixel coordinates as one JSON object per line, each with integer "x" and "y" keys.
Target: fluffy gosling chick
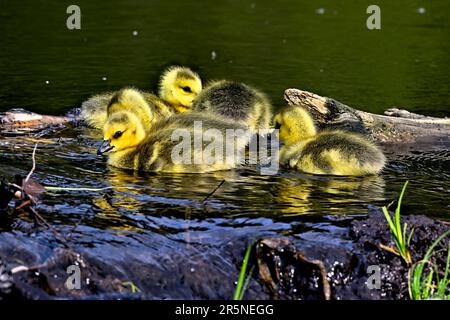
{"x": 146, "y": 106}
{"x": 328, "y": 152}
{"x": 179, "y": 86}
{"x": 235, "y": 101}
{"x": 133, "y": 146}
{"x": 95, "y": 112}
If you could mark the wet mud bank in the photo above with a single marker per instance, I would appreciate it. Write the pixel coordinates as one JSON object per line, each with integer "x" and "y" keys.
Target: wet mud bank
{"x": 35, "y": 265}
{"x": 366, "y": 271}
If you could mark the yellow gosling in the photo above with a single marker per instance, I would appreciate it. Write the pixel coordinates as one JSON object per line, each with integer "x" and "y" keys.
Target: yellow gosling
{"x": 132, "y": 145}
{"x": 93, "y": 110}
{"x": 328, "y": 152}
{"x": 179, "y": 86}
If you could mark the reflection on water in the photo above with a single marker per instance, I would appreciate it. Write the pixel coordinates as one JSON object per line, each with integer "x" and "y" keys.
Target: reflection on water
{"x": 131, "y": 220}
{"x": 310, "y": 195}
{"x": 126, "y": 201}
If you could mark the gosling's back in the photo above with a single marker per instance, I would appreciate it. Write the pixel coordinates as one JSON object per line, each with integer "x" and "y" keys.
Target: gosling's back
{"x": 94, "y": 111}
{"x": 335, "y": 153}
{"x": 236, "y": 101}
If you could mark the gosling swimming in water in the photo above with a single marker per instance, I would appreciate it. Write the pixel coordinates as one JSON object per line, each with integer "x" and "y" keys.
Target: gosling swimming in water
{"x": 327, "y": 152}
{"x": 235, "y": 101}
{"x": 178, "y": 86}
{"x": 133, "y": 145}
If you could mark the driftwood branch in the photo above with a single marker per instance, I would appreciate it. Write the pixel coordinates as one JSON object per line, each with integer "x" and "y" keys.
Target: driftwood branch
{"x": 24, "y": 118}
{"x": 395, "y": 126}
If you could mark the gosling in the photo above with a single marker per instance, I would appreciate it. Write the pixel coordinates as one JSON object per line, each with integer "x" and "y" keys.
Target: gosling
{"x": 178, "y": 86}
{"x": 329, "y": 152}
{"x": 134, "y": 146}
{"x": 145, "y": 107}
{"x": 235, "y": 101}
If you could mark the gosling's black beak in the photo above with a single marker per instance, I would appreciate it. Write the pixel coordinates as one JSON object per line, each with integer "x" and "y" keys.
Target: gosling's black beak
{"x": 104, "y": 147}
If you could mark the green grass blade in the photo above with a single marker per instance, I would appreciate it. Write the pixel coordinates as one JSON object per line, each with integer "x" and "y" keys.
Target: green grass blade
{"x": 134, "y": 288}
{"x": 447, "y": 265}
{"x": 389, "y": 220}
{"x": 442, "y": 287}
{"x": 419, "y": 280}
{"x": 427, "y": 285}
{"x": 416, "y": 278}
{"x": 397, "y": 211}
{"x": 246, "y": 283}
{"x": 410, "y": 237}
{"x": 417, "y": 285}
{"x": 240, "y": 284}
{"x": 434, "y": 244}
{"x": 404, "y": 237}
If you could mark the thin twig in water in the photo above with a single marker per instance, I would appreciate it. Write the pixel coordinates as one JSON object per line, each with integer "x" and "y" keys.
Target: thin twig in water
{"x": 52, "y": 188}
{"x": 15, "y": 186}
{"x": 23, "y": 268}
{"x": 29, "y": 203}
{"x": 214, "y": 191}
{"x": 48, "y": 225}
{"x": 34, "y": 165}
{"x": 23, "y": 204}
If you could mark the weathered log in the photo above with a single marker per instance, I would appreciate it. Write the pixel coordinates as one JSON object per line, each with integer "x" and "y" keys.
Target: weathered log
{"x": 22, "y": 122}
{"x": 395, "y": 126}
{"x": 24, "y": 118}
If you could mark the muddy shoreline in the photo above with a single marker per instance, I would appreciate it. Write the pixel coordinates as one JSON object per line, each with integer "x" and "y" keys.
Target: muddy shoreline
{"x": 285, "y": 267}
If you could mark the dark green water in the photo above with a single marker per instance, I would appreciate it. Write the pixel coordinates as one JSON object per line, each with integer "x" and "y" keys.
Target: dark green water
{"x": 271, "y": 45}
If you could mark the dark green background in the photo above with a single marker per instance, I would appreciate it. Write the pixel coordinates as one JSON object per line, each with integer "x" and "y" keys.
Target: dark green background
{"x": 272, "y": 45}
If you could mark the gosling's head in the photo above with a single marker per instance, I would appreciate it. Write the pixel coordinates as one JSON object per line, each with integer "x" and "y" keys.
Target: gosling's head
{"x": 179, "y": 86}
{"x": 295, "y": 124}
{"x": 132, "y": 100}
{"x": 123, "y": 130}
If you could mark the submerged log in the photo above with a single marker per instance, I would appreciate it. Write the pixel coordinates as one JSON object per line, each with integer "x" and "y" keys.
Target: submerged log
{"x": 395, "y": 126}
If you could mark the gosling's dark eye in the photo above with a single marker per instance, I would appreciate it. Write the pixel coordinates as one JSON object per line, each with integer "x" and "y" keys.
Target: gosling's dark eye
{"x": 277, "y": 125}
{"x": 187, "y": 89}
{"x": 117, "y": 135}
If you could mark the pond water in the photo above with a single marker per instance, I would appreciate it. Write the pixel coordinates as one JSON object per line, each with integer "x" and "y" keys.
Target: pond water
{"x": 323, "y": 47}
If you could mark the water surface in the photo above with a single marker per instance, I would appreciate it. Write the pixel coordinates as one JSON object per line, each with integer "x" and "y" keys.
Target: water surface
{"x": 271, "y": 45}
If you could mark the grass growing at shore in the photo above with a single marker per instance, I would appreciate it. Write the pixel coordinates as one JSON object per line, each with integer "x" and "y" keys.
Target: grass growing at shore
{"x": 398, "y": 231}
{"x": 424, "y": 281}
